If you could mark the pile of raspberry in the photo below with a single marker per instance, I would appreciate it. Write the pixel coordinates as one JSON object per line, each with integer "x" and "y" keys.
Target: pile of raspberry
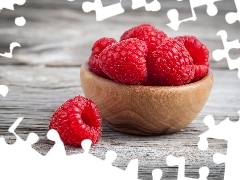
{"x": 145, "y": 55}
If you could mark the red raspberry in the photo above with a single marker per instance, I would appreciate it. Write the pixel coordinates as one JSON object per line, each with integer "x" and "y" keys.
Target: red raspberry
{"x": 101, "y": 44}
{"x": 97, "y": 48}
{"x": 93, "y": 63}
{"x": 125, "y": 61}
{"x": 199, "y": 53}
{"x": 77, "y": 119}
{"x": 127, "y": 34}
{"x": 146, "y": 32}
{"x": 170, "y": 65}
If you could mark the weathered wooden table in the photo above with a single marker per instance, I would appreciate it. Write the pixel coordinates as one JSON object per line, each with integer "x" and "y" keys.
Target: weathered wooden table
{"x": 44, "y": 72}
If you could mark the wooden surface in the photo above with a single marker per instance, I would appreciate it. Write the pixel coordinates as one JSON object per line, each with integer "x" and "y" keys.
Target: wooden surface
{"x": 44, "y": 72}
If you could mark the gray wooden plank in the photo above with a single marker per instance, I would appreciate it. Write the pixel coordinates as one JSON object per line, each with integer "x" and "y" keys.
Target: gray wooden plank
{"x": 35, "y": 92}
{"x": 56, "y": 34}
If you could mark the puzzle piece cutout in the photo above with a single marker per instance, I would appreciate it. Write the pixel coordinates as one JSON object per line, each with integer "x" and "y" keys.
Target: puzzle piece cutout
{"x": 12, "y": 46}
{"x": 224, "y": 53}
{"x": 22, "y": 158}
{"x": 3, "y": 90}
{"x": 103, "y": 12}
{"x": 229, "y": 131}
{"x": 19, "y": 21}
{"x": 58, "y": 149}
{"x": 31, "y": 139}
{"x": 157, "y": 174}
{"x": 9, "y": 4}
{"x": 13, "y": 156}
{"x": 153, "y": 6}
{"x": 180, "y": 162}
{"x": 173, "y": 14}
{"x": 90, "y": 163}
{"x": 232, "y": 17}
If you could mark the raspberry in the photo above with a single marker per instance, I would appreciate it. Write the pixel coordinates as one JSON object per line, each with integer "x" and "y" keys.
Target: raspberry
{"x": 125, "y": 61}
{"x": 170, "y": 65}
{"x": 77, "y": 119}
{"x": 97, "y": 48}
{"x": 127, "y": 34}
{"x": 93, "y": 63}
{"x": 101, "y": 44}
{"x": 146, "y": 32}
{"x": 199, "y": 53}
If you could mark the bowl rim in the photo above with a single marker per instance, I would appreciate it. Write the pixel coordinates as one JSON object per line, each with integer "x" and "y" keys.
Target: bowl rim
{"x": 139, "y": 86}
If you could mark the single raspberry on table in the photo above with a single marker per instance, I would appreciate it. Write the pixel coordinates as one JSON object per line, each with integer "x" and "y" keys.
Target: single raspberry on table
{"x": 170, "y": 65}
{"x": 199, "y": 53}
{"x": 77, "y": 119}
{"x": 97, "y": 48}
{"x": 146, "y": 32}
{"x": 125, "y": 62}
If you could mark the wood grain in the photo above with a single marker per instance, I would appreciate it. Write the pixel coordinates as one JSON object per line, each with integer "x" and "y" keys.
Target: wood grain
{"x": 35, "y": 92}
{"x": 65, "y": 37}
{"x": 44, "y": 72}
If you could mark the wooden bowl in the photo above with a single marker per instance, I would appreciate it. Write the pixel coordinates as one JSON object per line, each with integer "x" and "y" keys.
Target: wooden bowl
{"x": 146, "y": 110}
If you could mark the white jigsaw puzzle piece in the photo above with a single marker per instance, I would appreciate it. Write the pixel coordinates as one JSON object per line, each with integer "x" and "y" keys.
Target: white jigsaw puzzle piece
{"x": 157, "y": 174}
{"x": 232, "y": 17}
{"x": 9, "y": 4}
{"x": 14, "y": 126}
{"x": 180, "y": 162}
{"x": 173, "y": 14}
{"x": 58, "y": 148}
{"x": 216, "y": 131}
{"x": 22, "y": 159}
{"x": 132, "y": 169}
{"x": 229, "y": 131}
{"x": 153, "y": 6}
{"x": 16, "y": 156}
{"x": 219, "y": 158}
{"x": 103, "y": 13}
{"x": 20, "y": 21}
{"x": 31, "y": 139}
{"x": 12, "y": 46}
{"x": 110, "y": 157}
{"x": 224, "y": 53}
{"x": 3, "y": 90}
